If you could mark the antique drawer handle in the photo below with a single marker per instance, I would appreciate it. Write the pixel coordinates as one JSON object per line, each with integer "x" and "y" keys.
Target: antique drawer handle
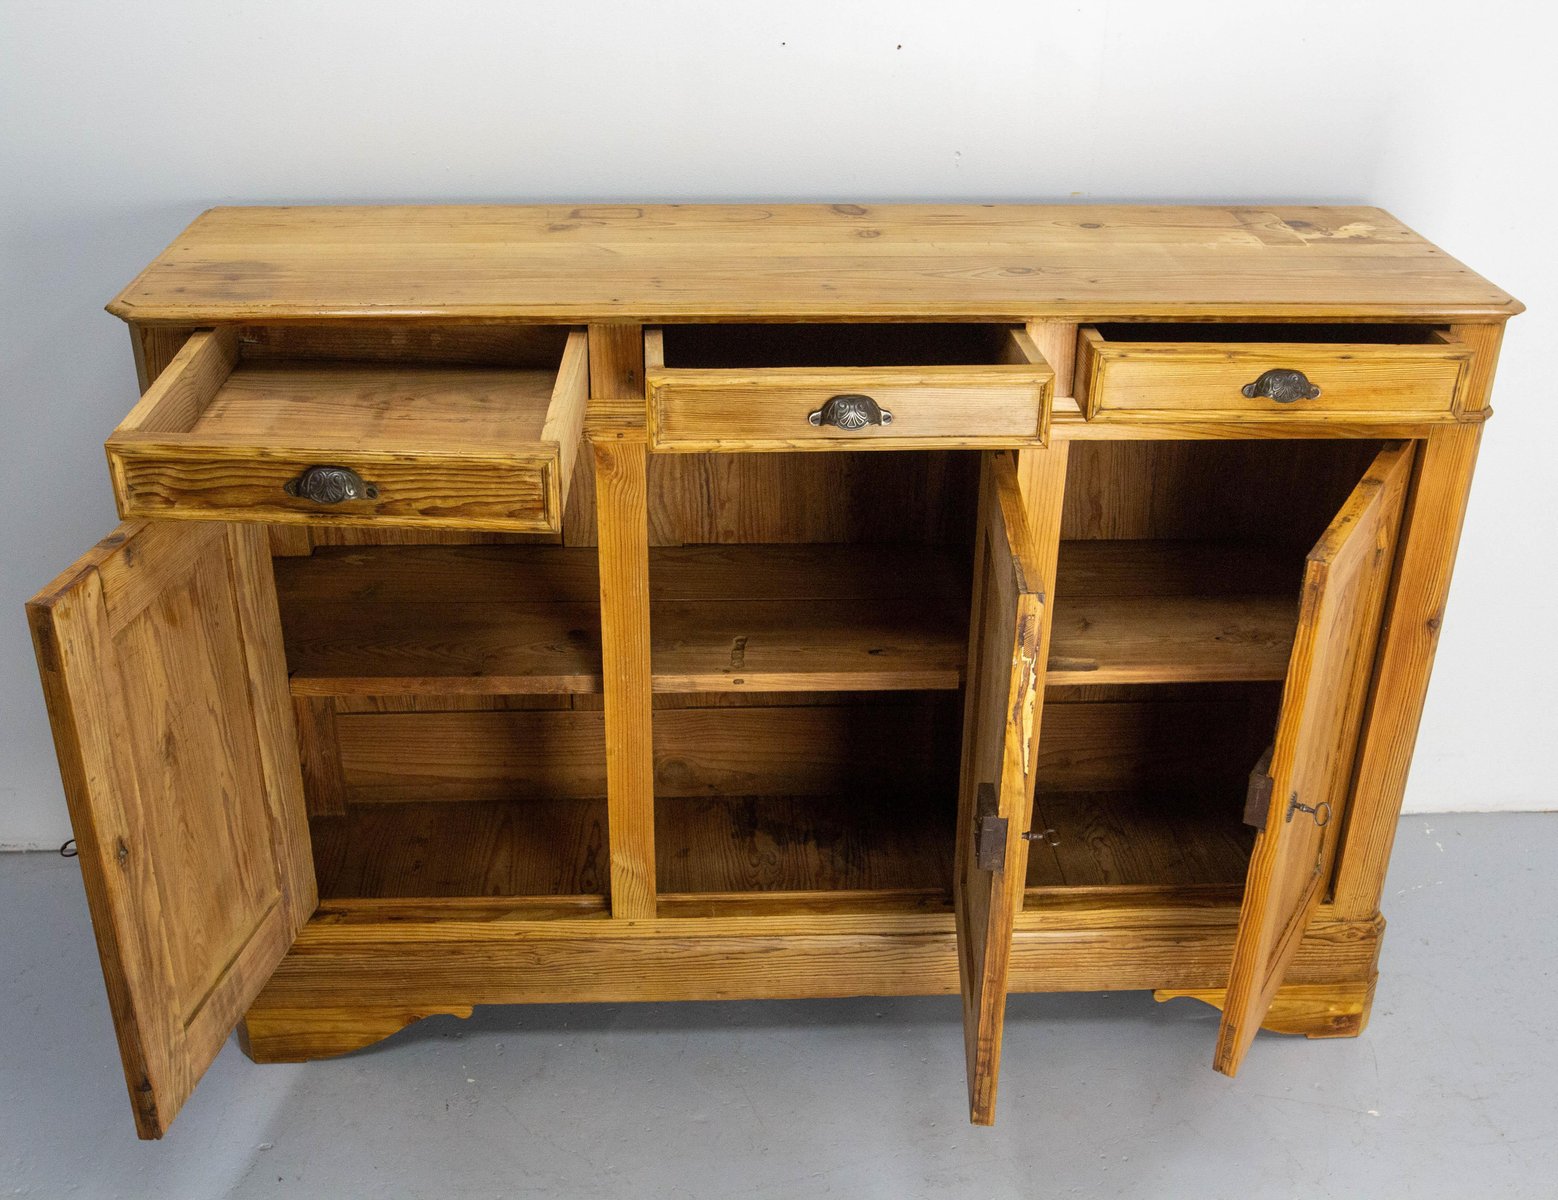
{"x": 330, "y": 485}
{"x": 851, "y": 411}
{"x": 1283, "y": 386}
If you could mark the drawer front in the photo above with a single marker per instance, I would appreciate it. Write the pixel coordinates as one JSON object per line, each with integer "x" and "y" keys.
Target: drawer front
{"x": 1356, "y": 382}
{"x": 415, "y": 445}
{"x": 168, "y": 480}
{"x": 1004, "y": 404}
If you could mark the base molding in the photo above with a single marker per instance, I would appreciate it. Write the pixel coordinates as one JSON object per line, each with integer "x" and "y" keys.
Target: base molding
{"x": 358, "y": 975}
{"x": 278, "y": 1035}
{"x": 1315, "y": 1010}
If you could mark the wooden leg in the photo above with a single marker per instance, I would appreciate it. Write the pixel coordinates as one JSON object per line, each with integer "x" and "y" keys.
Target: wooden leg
{"x": 277, "y": 1035}
{"x": 1316, "y": 1010}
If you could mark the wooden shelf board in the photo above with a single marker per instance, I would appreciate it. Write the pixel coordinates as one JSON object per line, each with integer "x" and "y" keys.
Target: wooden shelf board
{"x": 815, "y": 903}
{"x": 1140, "y": 838}
{"x": 523, "y": 620}
{"x": 486, "y": 910}
{"x": 1172, "y": 612}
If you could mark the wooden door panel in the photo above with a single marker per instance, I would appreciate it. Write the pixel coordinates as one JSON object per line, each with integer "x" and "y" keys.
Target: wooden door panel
{"x": 161, "y": 661}
{"x": 995, "y": 800}
{"x": 1346, "y": 578}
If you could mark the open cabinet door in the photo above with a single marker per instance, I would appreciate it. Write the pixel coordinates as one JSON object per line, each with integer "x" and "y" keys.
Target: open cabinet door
{"x": 1345, "y": 580}
{"x": 161, "y": 659}
{"x": 995, "y": 795}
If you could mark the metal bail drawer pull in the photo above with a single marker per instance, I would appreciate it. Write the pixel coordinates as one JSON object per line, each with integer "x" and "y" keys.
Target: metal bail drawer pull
{"x": 330, "y": 485}
{"x": 1320, "y": 812}
{"x": 851, "y": 411}
{"x": 1283, "y": 386}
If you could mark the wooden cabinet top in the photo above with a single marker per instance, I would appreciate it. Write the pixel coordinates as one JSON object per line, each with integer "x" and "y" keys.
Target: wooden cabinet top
{"x": 578, "y": 263}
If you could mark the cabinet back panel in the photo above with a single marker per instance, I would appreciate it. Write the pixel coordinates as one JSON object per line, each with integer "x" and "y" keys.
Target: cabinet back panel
{"x": 846, "y": 842}
{"x": 1272, "y": 491}
{"x": 904, "y": 496}
{"x": 480, "y": 848}
{"x": 1146, "y": 785}
{"x": 736, "y": 750}
{"x": 1194, "y": 737}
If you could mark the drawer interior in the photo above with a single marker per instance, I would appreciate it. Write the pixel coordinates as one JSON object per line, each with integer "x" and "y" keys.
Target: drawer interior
{"x": 272, "y": 387}
{"x": 425, "y": 406}
{"x": 1355, "y": 333}
{"x": 745, "y": 347}
{"x": 442, "y": 427}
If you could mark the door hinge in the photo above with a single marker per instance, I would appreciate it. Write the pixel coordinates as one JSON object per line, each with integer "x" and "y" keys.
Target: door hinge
{"x": 1257, "y": 801}
{"x": 990, "y": 830}
{"x": 990, "y": 855}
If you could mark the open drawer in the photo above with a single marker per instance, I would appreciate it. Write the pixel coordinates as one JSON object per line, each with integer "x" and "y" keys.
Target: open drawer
{"x": 1355, "y": 373}
{"x": 845, "y": 387}
{"x": 221, "y": 436}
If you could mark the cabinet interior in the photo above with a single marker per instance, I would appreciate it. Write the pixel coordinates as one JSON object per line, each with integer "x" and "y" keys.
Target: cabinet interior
{"x": 809, "y": 617}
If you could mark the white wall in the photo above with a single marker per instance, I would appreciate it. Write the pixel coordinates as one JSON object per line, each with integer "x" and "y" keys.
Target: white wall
{"x": 118, "y": 123}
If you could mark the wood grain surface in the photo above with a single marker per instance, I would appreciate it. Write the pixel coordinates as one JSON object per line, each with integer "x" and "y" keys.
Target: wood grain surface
{"x": 802, "y": 262}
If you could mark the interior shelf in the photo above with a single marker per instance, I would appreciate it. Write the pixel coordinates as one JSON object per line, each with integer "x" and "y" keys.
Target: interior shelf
{"x": 436, "y": 620}
{"x": 1152, "y": 611}
{"x": 807, "y": 618}
{"x": 516, "y": 620}
{"x": 1140, "y": 838}
{"x": 521, "y": 620}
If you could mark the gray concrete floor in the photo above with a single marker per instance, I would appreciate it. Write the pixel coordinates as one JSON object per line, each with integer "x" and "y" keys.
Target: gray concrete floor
{"x": 1452, "y": 1091}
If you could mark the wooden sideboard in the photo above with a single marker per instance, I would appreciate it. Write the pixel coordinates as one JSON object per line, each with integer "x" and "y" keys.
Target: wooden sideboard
{"x": 623, "y": 603}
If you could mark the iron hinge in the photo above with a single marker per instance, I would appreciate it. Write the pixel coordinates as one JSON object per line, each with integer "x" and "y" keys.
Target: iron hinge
{"x": 990, "y": 830}
{"x": 1257, "y": 801}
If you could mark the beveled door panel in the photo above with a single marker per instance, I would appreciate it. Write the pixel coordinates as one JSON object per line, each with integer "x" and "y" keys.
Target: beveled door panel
{"x": 995, "y": 797}
{"x": 160, "y": 653}
{"x": 1345, "y": 581}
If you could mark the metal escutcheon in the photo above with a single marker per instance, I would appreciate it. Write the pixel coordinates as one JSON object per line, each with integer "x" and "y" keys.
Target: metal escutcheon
{"x": 330, "y": 485}
{"x": 851, "y": 411}
{"x": 1283, "y": 386}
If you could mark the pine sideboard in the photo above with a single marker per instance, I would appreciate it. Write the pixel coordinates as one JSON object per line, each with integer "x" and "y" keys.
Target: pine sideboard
{"x": 607, "y": 603}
